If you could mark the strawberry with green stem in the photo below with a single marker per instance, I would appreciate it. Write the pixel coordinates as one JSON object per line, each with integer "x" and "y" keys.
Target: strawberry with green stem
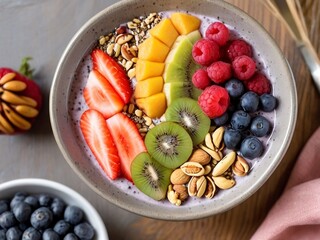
{"x": 20, "y": 99}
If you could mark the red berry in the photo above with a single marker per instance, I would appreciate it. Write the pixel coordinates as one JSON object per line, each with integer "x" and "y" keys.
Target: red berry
{"x": 97, "y": 135}
{"x": 219, "y": 71}
{"x": 258, "y": 84}
{"x": 205, "y": 52}
{"x": 113, "y": 72}
{"x": 13, "y": 119}
{"x": 218, "y": 32}
{"x": 101, "y": 96}
{"x": 200, "y": 79}
{"x": 238, "y": 48}
{"x": 214, "y": 101}
{"x": 243, "y": 67}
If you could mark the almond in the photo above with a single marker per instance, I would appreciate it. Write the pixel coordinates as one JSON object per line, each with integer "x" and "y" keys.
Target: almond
{"x": 200, "y": 156}
{"x": 178, "y": 177}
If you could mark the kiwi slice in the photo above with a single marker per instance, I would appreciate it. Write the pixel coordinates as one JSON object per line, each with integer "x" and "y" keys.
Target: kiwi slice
{"x": 175, "y": 90}
{"x": 149, "y": 176}
{"x": 169, "y": 144}
{"x": 189, "y": 115}
{"x": 179, "y": 60}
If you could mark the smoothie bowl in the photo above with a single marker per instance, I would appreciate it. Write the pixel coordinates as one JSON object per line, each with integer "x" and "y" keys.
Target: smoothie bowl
{"x": 174, "y": 109}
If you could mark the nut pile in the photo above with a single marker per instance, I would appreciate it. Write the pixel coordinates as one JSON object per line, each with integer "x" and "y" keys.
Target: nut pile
{"x": 15, "y": 109}
{"x": 206, "y": 171}
{"x": 122, "y": 43}
{"x": 143, "y": 122}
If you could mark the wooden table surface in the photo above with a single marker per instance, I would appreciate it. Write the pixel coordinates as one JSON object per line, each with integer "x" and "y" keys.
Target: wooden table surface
{"x": 36, "y": 154}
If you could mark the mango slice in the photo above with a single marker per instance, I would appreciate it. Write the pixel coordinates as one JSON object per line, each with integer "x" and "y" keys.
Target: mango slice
{"x": 148, "y": 87}
{"x": 185, "y": 23}
{"x": 153, "y": 49}
{"x": 165, "y": 32}
{"x": 153, "y": 106}
{"x": 147, "y": 69}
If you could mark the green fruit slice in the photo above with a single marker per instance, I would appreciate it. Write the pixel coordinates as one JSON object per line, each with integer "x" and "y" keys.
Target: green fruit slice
{"x": 169, "y": 144}
{"x": 175, "y": 90}
{"x": 179, "y": 59}
{"x": 189, "y": 115}
{"x": 149, "y": 176}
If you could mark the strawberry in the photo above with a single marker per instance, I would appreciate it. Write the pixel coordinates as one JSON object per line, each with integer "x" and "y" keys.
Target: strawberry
{"x": 128, "y": 141}
{"x": 98, "y": 137}
{"x": 20, "y": 99}
{"x": 113, "y": 72}
{"x": 101, "y": 96}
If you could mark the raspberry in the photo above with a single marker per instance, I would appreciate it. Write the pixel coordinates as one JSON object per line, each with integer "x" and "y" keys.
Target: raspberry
{"x": 237, "y": 48}
{"x": 218, "y": 32}
{"x": 219, "y": 71}
{"x": 205, "y": 51}
{"x": 243, "y": 67}
{"x": 214, "y": 101}
{"x": 258, "y": 84}
{"x": 200, "y": 79}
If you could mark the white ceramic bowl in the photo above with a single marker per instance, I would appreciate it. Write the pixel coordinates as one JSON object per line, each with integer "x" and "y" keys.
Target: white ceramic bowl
{"x": 68, "y": 195}
{"x": 73, "y": 70}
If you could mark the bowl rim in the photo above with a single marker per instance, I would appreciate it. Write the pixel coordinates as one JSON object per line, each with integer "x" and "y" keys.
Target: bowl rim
{"x": 251, "y": 189}
{"x": 86, "y": 206}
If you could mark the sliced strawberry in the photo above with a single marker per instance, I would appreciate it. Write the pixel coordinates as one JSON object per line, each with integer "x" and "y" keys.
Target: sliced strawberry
{"x": 101, "y": 96}
{"x": 128, "y": 141}
{"x": 98, "y": 137}
{"x": 113, "y": 72}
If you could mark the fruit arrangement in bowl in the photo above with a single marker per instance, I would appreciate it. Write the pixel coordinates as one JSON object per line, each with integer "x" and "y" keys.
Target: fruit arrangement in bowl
{"x": 174, "y": 108}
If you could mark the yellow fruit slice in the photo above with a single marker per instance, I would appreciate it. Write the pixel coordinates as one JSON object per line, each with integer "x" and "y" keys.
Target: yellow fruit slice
{"x": 165, "y": 32}
{"x": 147, "y": 69}
{"x": 153, "y": 49}
{"x": 153, "y": 106}
{"x": 148, "y": 87}
{"x": 185, "y": 23}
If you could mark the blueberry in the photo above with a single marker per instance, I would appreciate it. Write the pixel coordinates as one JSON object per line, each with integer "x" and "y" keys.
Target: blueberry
{"x": 232, "y": 138}
{"x": 23, "y": 226}
{"x": 251, "y": 147}
{"x": 84, "y": 231}
{"x": 240, "y": 120}
{"x": 18, "y": 197}
{"x": 73, "y": 214}
{"x": 31, "y": 234}
{"x": 44, "y": 200}
{"x": 2, "y": 234}
{"x": 62, "y": 227}
{"x": 32, "y": 201}
{"x": 219, "y": 121}
{"x": 249, "y": 101}
{"x": 13, "y": 233}
{"x": 268, "y": 102}
{"x": 22, "y": 211}
{"x": 7, "y": 220}
{"x": 234, "y": 87}
{"x": 41, "y": 218}
{"x": 260, "y": 126}
{"x": 57, "y": 207}
{"x": 4, "y": 206}
{"x": 70, "y": 236}
{"x": 49, "y": 234}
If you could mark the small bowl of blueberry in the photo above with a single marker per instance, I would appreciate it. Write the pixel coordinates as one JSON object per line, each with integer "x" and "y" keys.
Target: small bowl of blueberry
{"x": 32, "y": 209}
